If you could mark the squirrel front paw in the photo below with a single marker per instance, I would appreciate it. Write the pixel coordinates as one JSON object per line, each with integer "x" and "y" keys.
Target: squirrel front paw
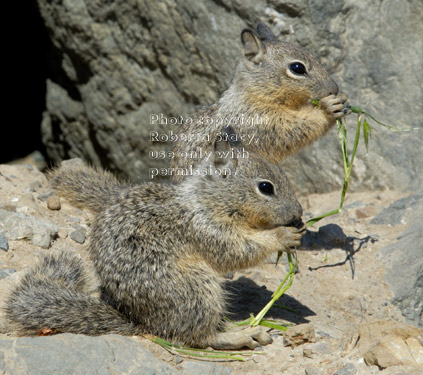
{"x": 251, "y": 337}
{"x": 289, "y": 238}
{"x": 335, "y": 106}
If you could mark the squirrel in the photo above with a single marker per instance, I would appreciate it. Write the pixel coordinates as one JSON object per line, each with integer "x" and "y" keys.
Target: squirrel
{"x": 158, "y": 250}
{"x": 269, "y": 100}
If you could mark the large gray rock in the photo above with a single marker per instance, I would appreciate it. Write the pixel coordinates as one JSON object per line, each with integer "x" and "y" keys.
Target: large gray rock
{"x": 400, "y": 211}
{"x": 121, "y": 61}
{"x": 68, "y": 354}
{"x": 404, "y": 261}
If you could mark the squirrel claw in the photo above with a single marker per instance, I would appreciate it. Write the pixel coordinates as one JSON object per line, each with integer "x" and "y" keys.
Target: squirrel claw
{"x": 335, "y": 106}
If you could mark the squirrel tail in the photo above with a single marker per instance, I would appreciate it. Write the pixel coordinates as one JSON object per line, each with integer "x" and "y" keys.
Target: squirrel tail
{"x": 85, "y": 186}
{"x": 51, "y": 296}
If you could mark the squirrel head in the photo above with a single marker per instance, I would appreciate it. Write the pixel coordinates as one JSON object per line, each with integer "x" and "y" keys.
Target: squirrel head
{"x": 279, "y": 73}
{"x": 244, "y": 189}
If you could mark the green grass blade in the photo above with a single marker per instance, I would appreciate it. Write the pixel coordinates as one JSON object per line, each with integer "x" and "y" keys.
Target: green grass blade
{"x": 268, "y": 324}
{"x": 367, "y": 131}
{"x": 282, "y": 288}
{"x": 314, "y": 220}
{"x": 203, "y": 353}
{"x": 359, "y": 110}
{"x": 356, "y": 109}
{"x": 342, "y": 134}
{"x": 356, "y": 140}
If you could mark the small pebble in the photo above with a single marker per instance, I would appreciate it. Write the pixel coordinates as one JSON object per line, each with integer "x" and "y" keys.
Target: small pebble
{"x": 311, "y": 370}
{"x": 6, "y": 272}
{"x": 4, "y": 244}
{"x": 299, "y": 334}
{"x": 177, "y": 359}
{"x": 349, "y": 369}
{"x": 78, "y": 236}
{"x": 63, "y": 233}
{"x": 53, "y": 203}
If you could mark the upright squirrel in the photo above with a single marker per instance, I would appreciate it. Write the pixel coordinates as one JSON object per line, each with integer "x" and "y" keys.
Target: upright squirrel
{"x": 158, "y": 250}
{"x": 269, "y": 101}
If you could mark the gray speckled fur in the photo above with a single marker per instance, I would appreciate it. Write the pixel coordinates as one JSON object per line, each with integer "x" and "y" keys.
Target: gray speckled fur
{"x": 158, "y": 250}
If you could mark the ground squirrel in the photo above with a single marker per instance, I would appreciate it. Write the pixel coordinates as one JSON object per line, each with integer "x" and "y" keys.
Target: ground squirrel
{"x": 158, "y": 250}
{"x": 272, "y": 89}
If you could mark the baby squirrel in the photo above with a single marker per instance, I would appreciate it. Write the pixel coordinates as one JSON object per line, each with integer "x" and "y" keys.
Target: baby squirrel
{"x": 158, "y": 250}
{"x": 273, "y": 85}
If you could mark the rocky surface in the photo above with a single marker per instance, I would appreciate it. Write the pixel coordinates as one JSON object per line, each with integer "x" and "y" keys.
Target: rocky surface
{"x": 403, "y": 259}
{"x": 82, "y": 355}
{"x": 117, "y": 63}
{"x": 344, "y": 301}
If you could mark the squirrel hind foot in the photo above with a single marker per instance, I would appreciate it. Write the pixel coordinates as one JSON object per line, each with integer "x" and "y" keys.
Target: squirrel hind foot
{"x": 251, "y": 337}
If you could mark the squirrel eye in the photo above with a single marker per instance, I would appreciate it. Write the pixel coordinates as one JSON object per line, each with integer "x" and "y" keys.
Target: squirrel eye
{"x": 298, "y": 68}
{"x": 266, "y": 188}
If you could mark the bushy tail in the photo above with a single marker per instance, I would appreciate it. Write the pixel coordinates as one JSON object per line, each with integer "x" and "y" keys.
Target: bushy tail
{"x": 51, "y": 296}
{"x": 85, "y": 186}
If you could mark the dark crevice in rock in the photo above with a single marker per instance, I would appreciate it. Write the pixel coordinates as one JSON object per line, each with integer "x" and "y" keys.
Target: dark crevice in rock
{"x": 28, "y": 62}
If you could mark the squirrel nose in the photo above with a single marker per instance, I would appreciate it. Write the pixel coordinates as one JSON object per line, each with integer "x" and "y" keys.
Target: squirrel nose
{"x": 296, "y": 223}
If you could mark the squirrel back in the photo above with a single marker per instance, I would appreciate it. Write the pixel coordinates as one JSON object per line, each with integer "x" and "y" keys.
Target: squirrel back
{"x": 85, "y": 187}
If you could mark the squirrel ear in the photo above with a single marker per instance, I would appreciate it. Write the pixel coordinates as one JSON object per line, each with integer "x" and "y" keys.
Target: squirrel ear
{"x": 264, "y": 32}
{"x": 225, "y": 163}
{"x": 253, "y": 48}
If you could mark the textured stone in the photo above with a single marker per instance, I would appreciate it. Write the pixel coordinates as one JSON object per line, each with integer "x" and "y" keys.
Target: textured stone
{"x": 416, "y": 349}
{"x": 194, "y": 368}
{"x": 6, "y": 272}
{"x": 27, "y": 202}
{"x": 349, "y": 369}
{"x": 367, "y": 211}
{"x": 390, "y": 351}
{"x": 53, "y": 203}
{"x": 80, "y": 355}
{"x": 387, "y": 343}
{"x": 404, "y": 264}
{"x": 399, "y": 211}
{"x": 4, "y": 244}
{"x": 299, "y": 334}
{"x": 17, "y": 226}
{"x": 311, "y": 370}
{"x": 78, "y": 236}
{"x": 44, "y": 196}
{"x": 316, "y": 349}
{"x": 118, "y": 63}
